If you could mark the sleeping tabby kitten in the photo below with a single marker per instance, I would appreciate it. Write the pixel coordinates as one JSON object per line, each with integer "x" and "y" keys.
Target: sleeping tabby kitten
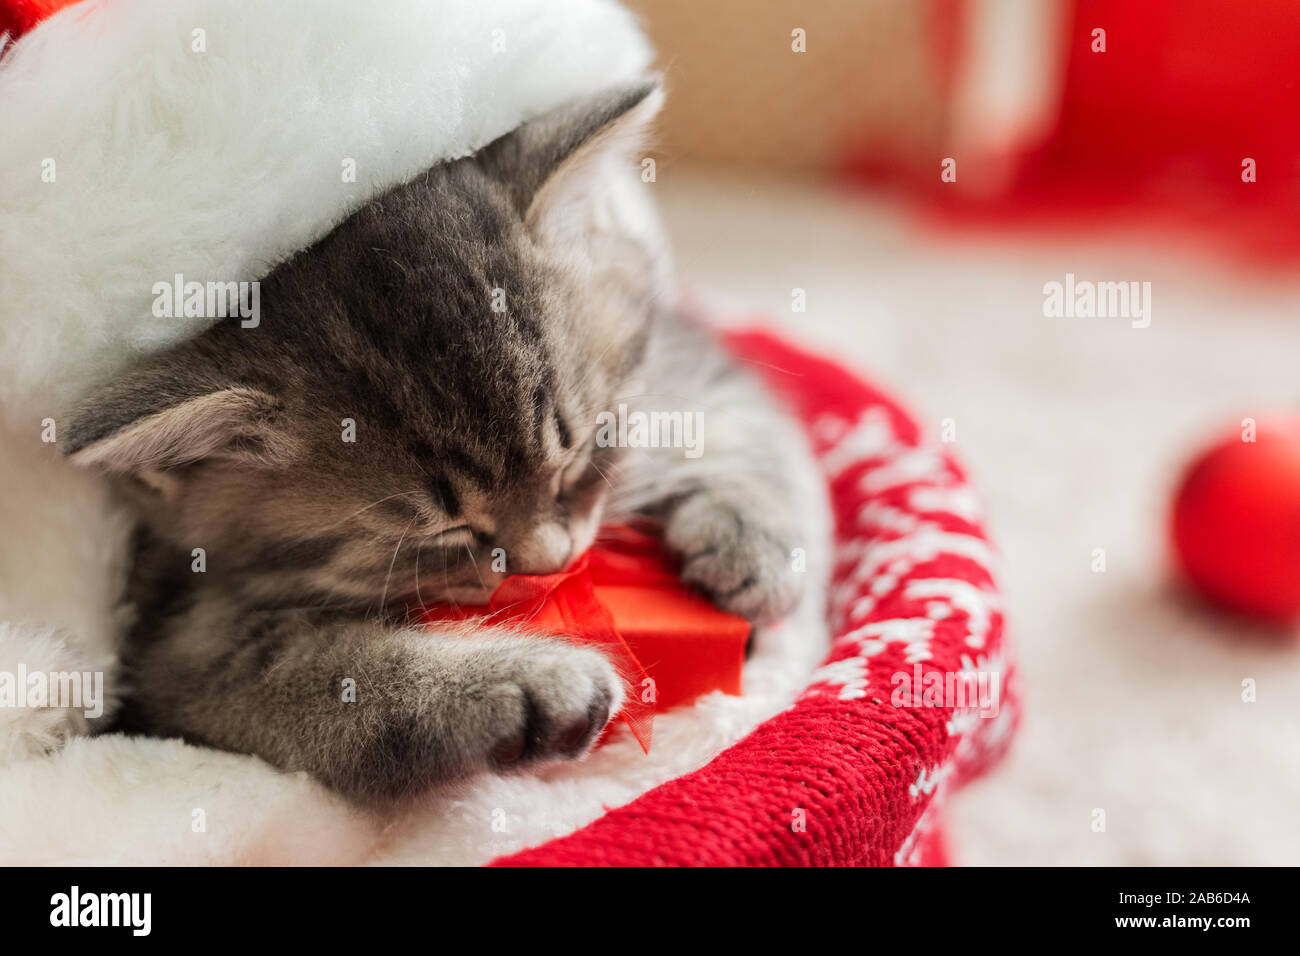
{"x": 470, "y": 325}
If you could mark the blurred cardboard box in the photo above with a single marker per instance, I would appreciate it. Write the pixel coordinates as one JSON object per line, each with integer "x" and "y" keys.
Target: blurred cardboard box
{"x": 872, "y": 86}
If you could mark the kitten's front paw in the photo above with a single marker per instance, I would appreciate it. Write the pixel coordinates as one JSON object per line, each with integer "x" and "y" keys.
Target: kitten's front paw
{"x": 442, "y": 708}
{"x": 554, "y": 700}
{"x": 743, "y": 564}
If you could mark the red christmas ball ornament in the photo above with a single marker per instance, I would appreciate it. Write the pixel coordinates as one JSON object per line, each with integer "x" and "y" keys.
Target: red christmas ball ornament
{"x": 1236, "y": 520}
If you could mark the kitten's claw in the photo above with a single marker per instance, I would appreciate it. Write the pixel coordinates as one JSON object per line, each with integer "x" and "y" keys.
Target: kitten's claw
{"x": 745, "y": 566}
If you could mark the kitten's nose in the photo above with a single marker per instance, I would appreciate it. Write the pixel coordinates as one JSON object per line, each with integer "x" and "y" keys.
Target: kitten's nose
{"x": 546, "y": 548}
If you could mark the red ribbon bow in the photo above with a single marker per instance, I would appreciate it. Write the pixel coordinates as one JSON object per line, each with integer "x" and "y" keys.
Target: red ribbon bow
{"x": 567, "y": 600}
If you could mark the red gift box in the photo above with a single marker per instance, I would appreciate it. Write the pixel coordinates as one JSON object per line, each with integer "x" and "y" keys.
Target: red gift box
{"x": 669, "y": 643}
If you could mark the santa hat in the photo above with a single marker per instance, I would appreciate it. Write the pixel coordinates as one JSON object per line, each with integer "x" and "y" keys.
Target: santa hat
{"x": 213, "y": 138}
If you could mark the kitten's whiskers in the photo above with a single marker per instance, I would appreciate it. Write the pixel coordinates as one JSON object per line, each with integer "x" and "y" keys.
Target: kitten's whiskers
{"x": 383, "y": 598}
{"x": 372, "y": 504}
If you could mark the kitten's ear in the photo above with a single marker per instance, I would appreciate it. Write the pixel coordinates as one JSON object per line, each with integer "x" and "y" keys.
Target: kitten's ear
{"x": 147, "y": 425}
{"x": 551, "y": 162}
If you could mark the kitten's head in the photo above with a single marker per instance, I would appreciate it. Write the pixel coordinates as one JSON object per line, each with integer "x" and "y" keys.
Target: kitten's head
{"x": 415, "y": 411}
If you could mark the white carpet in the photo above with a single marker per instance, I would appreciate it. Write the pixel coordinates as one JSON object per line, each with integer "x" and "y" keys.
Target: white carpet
{"x": 1074, "y": 429}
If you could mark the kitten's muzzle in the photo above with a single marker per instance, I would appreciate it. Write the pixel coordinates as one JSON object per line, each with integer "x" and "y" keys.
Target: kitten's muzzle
{"x": 543, "y": 549}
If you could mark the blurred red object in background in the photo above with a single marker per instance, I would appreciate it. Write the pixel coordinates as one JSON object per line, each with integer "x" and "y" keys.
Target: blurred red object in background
{"x": 1236, "y": 521}
{"x": 1155, "y": 120}
{"x": 1185, "y": 88}
{"x": 1188, "y": 96}
{"x": 19, "y": 16}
